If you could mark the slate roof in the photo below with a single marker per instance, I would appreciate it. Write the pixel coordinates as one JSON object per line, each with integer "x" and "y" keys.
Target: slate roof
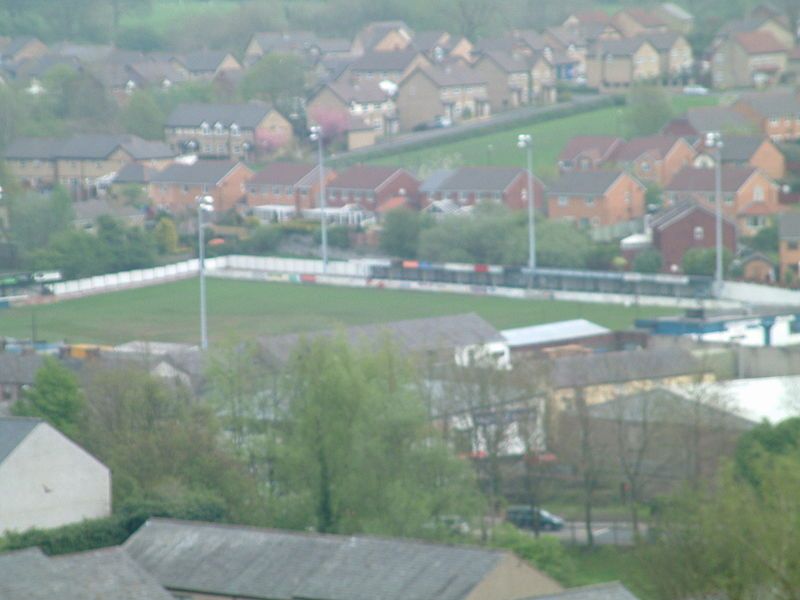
{"x": 362, "y": 177}
{"x": 716, "y": 118}
{"x": 31, "y": 148}
{"x": 134, "y": 173}
{"x": 603, "y": 145}
{"x": 283, "y": 173}
{"x": 433, "y": 183}
{"x": 202, "y": 61}
{"x": 658, "y": 145}
{"x": 427, "y": 41}
{"x": 662, "y": 42}
{"x": 412, "y": 335}
{"x": 593, "y": 16}
{"x": 13, "y": 430}
{"x": 551, "y": 333}
{"x": 583, "y": 183}
{"x": 644, "y": 16}
{"x": 289, "y": 41}
{"x": 480, "y": 179}
{"x": 366, "y": 91}
{"x": 208, "y": 171}
{"x": 15, "y": 45}
{"x": 679, "y": 211}
{"x": 385, "y": 61}
{"x": 626, "y": 47}
{"x": 617, "y": 367}
{"x": 374, "y": 32}
{"x": 789, "y": 226}
{"x": 508, "y": 61}
{"x": 740, "y": 148}
{"x": 156, "y": 72}
{"x": 39, "y": 66}
{"x": 601, "y": 591}
{"x": 690, "y": 179}
{"x": 664, "y": 406}
{"x": 90, "y": 146}
{"x": 246, "y": 115}
{"x": 279, "y": 565}
{"x": 773, "y": 104}
{"x": 454, "y": 75}
{"x": 759, "y": 42}
{"x": 750, "y": 23}
{"x": 107, "y": 574}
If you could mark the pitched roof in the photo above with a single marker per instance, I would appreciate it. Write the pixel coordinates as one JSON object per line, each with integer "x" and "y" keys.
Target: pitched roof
{"x": 740, "y": 148}
{"x": 751, "y": 23}
{"x": 207, "y": 171}
{"x": 716, "y": 118}
{"x": 773, "y": 104}
{"x": 551, "y": 333}
{"x": 412, "y": 336}
{"x": 433, "y": 182}
{"x": 789, "y": 226}
{"x": 603, "y": 145}
{"x": 283, "y": 173}
{"x": 593, "y": 16}
{"x": 19, "y": 369}
{"x": 659, "y": 145}
{"x": 609, "y": 367}
{"x": 362, "y": 177}
{"x": 664, "y": 406}
{"x": 583, "y": 183}
{"x": 13, "y": 430}
{"x": 202, "y": 61}
{"x": 481, "y": 179}
{"x": 280, "y": 565}
{"x": 374, "y": 32}
{"x": 453, "y": 75}
{"x": 107, "y": 574}
{"x": 134, "y": 173}
{"x": 426, "y": 41}
{"x": 16, "y": 44}
{"x": 601, "y": 591}
{"x": 663, "y": 42}
{"x": 620, "y": 47}
{"x": 644, "y": 16}
{"x": 679, "y": 211}
{"x": 676, "y": 12}
{"x": 507, "y": 61}
{"x": 690, "y": 179}
{"x": 385, "y": 61}
{"x": 361, "y": 92}
{"x": 32, "y": 148}
{"x": 86, "y": 146}
{"x": 759, "y": 42}
{"x": 246, "y": 115}
{"x": 285, "y": 41}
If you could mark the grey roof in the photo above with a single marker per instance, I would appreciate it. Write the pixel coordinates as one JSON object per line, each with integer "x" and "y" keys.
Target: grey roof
{"x": 108, "y": 574}
{"x": 91, "y": 146}
{"x": 385, "y": 61}
{"x": 453, "y": 75}
{"x": 202, "y": 171}
{"x": 12, "y": 431}
{"x": 367, "y": 91}
{"x": 246, "y": 116}
{"x": 679, "y": 211}
{"x": 663, "y": 42}
{"x": 601, "y": 591}
{"x": 31, "y": 148}
{"x": 203, "y": 61}
{"x": 413, "y": 336}
{"x": 480, "y": 179}
{"x": 716, "y": 118}
{"x": 374, "y": 32}
{"x": 740, "y": 148}
{"x": 611, "y": 367}
{"x": 552, "y": 333}
{"x": 773, "y": 104}
{"x": 278, "y": 565}
{"x": 620, "y": 47}
{"x": 134, "y": 173}
{"x": 664, "y": 406}
{"x": 289, "y": 41}
{"x": 789, "y": 226}
{"x": 433, "y": 182}
{"x": 507, "y": 61}
{"x": 583, "y": 183}
{"x": 19, "y": 369}
{"x": 16, "y": 44}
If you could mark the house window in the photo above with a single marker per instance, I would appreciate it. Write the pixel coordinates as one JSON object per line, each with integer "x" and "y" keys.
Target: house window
{"x": 627, "y": 197}
{"x": 205, "y": 188}
{"x": 699, "y": 233}
{"x": 235, "y": 130}
{"x": 755, "y": 222}
{"x": 791, "y": 245}
{"x": 758, "y": 194}
{"x": 646, "y": 167}
{"x": 185, "y": 188}
{"x": 589, "y": 201}
{"x": 563, "y": 201}
{"x": 276, "y": 190}
{"x": 205, "y": 128}
{"x": 220, "y": 148}
{"x": 237, "y": 148}
{"x": 729, "y": 200}
{"x": 463, "y": 197}
{"x": 218, "y": 127}
{"x": 794, "y": 325}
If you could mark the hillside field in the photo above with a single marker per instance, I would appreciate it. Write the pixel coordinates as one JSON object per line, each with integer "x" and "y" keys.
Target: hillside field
{"x": 240, "y": 309}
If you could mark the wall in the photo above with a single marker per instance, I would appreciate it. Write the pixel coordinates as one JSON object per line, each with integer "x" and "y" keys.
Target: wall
{"x": 513, "y": 579}
{"x": 417, "y": 101}
{"x": 48, "y": 481}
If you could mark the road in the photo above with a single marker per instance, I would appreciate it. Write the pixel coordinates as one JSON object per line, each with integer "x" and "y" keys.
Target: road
{"x": 618, "y": 533}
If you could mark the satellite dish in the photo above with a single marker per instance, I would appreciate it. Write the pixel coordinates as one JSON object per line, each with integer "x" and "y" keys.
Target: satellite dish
{"x": 388, "y": 87}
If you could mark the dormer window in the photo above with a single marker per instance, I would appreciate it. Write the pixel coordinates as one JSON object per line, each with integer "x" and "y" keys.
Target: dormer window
{"x": 205, "y": 128}
{"x": 234, "y": 129}
{"x": 218, "y": 127}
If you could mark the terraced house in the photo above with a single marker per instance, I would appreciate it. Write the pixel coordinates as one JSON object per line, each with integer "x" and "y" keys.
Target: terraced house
{"x": 749, "y": 58}
{"x": 620, "y": 63}
{"x": 340, "y": 100}
{"x": 596, "y": 198}
{"x": 230, "y": 131}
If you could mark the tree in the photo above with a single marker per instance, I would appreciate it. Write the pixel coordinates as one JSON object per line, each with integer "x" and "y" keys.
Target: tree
{"x": 143, "y": 117}
{"x": 648, "y": 261}
{"x": 702, "y": 261}
{"x": 357, "y": 453}
{"x": 55, "y": 397}
{"x": 401, "y": 231}
{"x": 35, "y": 219}
{"x": 766, "y": 240}
{"x": 648, "y": 110}
{"x": 166, "y": 236}
{"x": 764, "y": 440}
{"x": 276, "y": 78}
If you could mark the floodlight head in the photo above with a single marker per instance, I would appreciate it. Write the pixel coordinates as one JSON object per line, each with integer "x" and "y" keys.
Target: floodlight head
{"x": 315, "y": 132}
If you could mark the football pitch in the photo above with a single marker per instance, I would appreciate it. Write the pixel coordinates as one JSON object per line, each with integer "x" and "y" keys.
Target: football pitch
{"x": 238, "y": 310}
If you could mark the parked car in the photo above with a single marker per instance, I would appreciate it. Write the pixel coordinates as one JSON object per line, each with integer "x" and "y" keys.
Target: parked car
{"x": 695, "y": 90}
{"x": 522, "y": 517}
{"x": 439, "y": 122}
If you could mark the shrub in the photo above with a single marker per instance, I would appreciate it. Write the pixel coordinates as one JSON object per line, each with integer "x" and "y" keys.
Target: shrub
{"x": 546, "y": 553}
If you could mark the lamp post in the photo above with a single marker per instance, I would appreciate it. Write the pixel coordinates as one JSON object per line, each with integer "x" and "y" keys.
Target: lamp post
{"x": 204, "y": 204}
{"x": 525, "y": 141}
{"x": 316, "y": 136}
{"x": 714, "y": 140}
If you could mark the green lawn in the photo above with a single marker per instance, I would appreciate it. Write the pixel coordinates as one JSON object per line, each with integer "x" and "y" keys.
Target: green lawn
{"x": 549, "y": 138}
{"x": 240, "y": 309}
{"x": 165, "y": 14}
{"x": 604, "y": 564}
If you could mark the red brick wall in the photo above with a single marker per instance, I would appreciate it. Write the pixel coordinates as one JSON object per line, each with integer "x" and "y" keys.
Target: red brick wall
{"x": 677, "y": 238}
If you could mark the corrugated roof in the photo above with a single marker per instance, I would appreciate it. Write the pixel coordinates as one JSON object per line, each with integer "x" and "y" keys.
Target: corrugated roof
{"x": 552, "y": 332}
{"x": 246, "y": 115}
{"x": 690, "y": 179}
{"x": 279, "y": 565}
{"x": 13, "y": 430}
{"x": 583, "y": 183}
{"x": 203, "y": 171}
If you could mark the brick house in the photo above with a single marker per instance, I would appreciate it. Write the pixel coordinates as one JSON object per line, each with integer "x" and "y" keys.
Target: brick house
{"x": 635, "y": 21}
{"x": 701, "y": 120}
{"x": 176, "y": 187}
{"x": 748, "y": 196}
{"x": 789, "y": 247}
{"x": 675, "y": 54}
{"x": 620, "y": 63}
{"x": 745, "y": 150}
{"x": 773, "y": 25}
{"x": 587, "y": 17}
{"x": 678, "y": 19}
{"x": 684, "y": 226}
{"x": 18, "y": 49}
{"x": 588, "y": 152}
{"x": 367, "y": 188}
{"x": 79, "y": 161}
{"x": 390, "y": 66}
{"x": 206, "y": 64}
{"x": 235, "y": 131}
{"x": 452, "y": 92}
{"x": 440, "y": 45}
{"x": 748, "y": 59}
{"x": 382, "y": 36}
{"x": 468, "y": 186}
{"x": 596, "y": 198}
{"x": 509, "y": 79}
{"x": 359, "y": 99}
{"x": 655, "y": 158}
{"x": 775, "y": 114}
{"x": 289, "y": 42}
{"x": 286, "y": 188}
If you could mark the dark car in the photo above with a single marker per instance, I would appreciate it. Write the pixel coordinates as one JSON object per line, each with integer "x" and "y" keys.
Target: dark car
{"x": 522, "y": 517}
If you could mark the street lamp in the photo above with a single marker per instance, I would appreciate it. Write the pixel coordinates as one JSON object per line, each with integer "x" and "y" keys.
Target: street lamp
{"x": 525, "y": 141}
{"x": 205, "y": 204}
{"x": 714, "y": 140}
{"x": 316, "y": 136}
